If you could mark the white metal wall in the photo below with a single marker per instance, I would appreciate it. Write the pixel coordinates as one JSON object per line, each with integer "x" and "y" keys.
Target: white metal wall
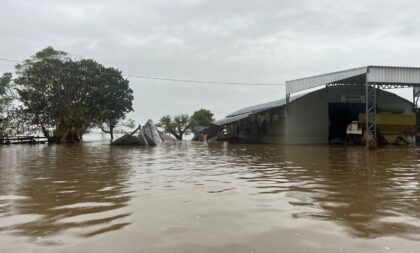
{"x": 394, "y": 75}
{"x": 375, "y": 74}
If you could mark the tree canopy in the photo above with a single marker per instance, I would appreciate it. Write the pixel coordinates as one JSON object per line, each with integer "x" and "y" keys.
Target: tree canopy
{"x": 5, "y": 91}
{"x": 177, "y": 125}
{"x": 6, "y": 99}
{"x": 182, "y": 124}
{"x": 68, "y": 97}
{"x": 115, "y": 99}
{"x": 201, "y": 118}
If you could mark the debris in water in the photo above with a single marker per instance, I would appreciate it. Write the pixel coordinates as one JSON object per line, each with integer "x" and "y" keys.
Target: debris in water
{"x": 147, "y": 135}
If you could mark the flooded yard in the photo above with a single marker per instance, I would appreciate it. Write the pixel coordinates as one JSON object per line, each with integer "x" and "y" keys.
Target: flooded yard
{"x": 198, "y": 197}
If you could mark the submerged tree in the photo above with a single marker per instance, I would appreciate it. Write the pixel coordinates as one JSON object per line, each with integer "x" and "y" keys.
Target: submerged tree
{"x": 201, "y": 118}
{"x": 120, "y": 126}
{"x": 177, "y": 126}
{"x": 68, "y": 97}
{"x": 115, "y": 99}
{"x": 182, "y": 124}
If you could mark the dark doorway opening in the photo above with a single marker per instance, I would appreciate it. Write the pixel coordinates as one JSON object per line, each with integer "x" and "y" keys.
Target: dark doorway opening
{"x": 340, "y": 115}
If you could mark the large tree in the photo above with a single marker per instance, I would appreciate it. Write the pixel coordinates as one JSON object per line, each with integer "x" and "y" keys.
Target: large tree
{"x": 68, "y": 97}
{"x": 201, "y": 118}
{"x": 177, "y": 126}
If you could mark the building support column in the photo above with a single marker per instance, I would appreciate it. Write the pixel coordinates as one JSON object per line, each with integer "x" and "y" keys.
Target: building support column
{"x": 370, "y": 128}
{"x": 287, "y": 102}
{"x": 416, "y": 96}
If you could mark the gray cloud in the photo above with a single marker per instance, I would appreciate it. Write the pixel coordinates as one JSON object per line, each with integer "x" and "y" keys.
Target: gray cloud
{"x": 233, "y": 41}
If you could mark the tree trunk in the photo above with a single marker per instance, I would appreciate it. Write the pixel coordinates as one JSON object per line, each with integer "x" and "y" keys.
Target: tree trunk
{"x": 45, "y": 131}
{"x": 176, "y": 135}
{"x": 64, "y": 134}
{"x": 111, "y": 131}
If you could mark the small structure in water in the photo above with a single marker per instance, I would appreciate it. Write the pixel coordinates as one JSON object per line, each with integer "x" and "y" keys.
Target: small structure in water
{"x": 201, "y": 134}
{"x": 146, "y": 136}
{"x": 24, "y": 139}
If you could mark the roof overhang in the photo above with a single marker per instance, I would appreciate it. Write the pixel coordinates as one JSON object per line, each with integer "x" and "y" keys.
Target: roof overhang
{"x": 383, "y": 76}
{"x": 229, "y": 120}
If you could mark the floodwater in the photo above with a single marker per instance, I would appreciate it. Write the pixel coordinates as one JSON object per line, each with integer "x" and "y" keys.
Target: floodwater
{"x": 198, "y": 197}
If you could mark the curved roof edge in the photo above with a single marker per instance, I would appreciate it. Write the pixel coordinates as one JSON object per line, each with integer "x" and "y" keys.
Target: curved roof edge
{"x": 265, "y": 106}
{"x": 281, "y": 102}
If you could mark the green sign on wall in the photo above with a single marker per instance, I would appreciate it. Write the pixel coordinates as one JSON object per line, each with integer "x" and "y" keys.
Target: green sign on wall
{"x": 352, "y": 99}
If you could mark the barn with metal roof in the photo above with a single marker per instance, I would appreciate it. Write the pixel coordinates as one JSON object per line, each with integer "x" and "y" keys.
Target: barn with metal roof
{"x": 356, "y": 96}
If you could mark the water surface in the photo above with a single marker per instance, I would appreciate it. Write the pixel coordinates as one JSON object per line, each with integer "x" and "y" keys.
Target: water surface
{"x": 197, "y": 197}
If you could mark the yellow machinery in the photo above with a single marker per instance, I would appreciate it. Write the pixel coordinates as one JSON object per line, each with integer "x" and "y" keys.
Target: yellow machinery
{"x": 394, "y": 127}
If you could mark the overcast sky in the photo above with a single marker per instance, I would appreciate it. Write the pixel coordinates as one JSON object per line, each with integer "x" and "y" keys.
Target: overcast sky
{"x": 217, "y": 40}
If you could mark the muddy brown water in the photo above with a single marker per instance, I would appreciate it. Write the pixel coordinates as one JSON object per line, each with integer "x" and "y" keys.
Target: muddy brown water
{"x": 197, "y": 197}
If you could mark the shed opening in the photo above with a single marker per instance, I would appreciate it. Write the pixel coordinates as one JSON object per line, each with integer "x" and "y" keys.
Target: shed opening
{"x": 340, "y": 116}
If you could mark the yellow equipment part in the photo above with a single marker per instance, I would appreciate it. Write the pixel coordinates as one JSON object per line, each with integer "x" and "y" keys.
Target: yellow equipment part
{"x": 391, "y": 123}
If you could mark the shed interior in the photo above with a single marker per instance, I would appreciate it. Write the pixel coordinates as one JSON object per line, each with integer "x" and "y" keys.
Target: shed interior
{"x": 373, "y": 78}
{"x": 340, "y": 116}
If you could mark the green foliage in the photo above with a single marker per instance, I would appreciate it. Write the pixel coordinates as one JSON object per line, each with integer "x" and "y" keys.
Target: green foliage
{"x": 116, "y": 99}
{"x": 177, "y": 126}
{"x": 130, "y": 123}
{"x": 184, "y": 124}
{"x": 201, "y": 118}
{"x": 6, "y": 103}
{"x": 6, "y": 96}
{"x": 5, "y": 82}
{"x": 68, "y": 97}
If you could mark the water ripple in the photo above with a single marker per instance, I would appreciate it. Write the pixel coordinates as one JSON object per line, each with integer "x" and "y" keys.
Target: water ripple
{"x": 93, "y": 189}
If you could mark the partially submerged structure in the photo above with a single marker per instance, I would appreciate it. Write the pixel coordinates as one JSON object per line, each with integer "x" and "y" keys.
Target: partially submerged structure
{"x": 147, "y": 135}
{"x": 351, "y": 103}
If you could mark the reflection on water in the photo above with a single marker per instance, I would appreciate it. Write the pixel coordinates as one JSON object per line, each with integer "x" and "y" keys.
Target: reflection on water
{"x": 194, "y": 197}
{"x": 46, "y": 190}
{"x": 371, "y": 195}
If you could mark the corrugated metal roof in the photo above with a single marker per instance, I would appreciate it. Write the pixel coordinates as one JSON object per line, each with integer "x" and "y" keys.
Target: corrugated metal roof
{"x": 394, "y": 75}
{"x": 375, "y": 74}
{"x": 265, "y": 106}
{"x": 259, "y": 107}
{"x": 228, "y": 120}
{"x": 315, "y": 81}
